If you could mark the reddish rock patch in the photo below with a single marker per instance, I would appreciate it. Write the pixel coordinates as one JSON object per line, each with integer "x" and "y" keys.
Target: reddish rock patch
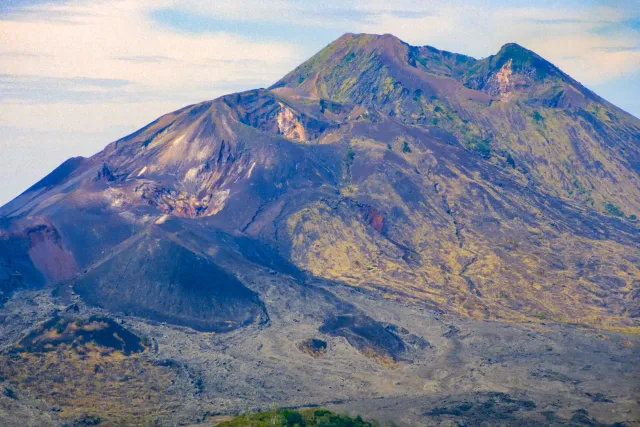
{"x": 375, "y": 219}
{"x": 48, "y": 254}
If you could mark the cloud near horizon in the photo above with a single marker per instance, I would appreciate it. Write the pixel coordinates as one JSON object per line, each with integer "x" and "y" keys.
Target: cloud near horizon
{"x": 76, "y": 74}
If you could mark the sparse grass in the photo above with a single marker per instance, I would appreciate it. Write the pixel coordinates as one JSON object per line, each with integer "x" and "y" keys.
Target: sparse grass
{"x": 85, "y": 379}
{"x": 89, "y": 381}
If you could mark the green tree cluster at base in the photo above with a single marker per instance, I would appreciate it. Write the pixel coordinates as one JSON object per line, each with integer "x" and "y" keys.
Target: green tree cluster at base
{"x": 291, "y": 418}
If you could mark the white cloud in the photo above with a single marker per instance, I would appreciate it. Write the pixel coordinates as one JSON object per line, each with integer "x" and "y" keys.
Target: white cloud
{"x": 564, "y": 33}
{"x": 99, "y": 118}
{"x": 95, "y": 38}
{"x": 569, "y": 37}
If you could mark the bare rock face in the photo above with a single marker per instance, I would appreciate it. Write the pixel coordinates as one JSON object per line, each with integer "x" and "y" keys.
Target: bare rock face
{"x": 289, "y": 125}
{"x": 33, "y": 255}
{"x": 514, "y": 69}
{"x": 375, "y": 183}
{"x": 504, "y": 82}
{"x": 48, "y": 254}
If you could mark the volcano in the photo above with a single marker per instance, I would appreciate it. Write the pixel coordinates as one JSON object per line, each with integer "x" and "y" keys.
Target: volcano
{"x": 387, "y": 226}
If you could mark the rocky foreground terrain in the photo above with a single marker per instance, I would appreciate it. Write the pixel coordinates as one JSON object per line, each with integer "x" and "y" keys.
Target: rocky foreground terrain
{"x": 395, "y": 231}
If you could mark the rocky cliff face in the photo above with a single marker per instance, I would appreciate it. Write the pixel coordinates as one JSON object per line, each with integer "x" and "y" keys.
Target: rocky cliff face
{"x": 494, "y": 189}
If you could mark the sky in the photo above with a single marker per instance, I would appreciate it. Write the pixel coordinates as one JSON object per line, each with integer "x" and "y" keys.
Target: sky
{"x": 78, "y": 74}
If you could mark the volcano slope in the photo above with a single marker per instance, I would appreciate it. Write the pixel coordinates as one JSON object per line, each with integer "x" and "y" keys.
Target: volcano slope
{"x": 393, "y": 229}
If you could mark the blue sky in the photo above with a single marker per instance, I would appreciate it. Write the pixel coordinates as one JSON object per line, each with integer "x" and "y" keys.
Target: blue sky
{"x": 75, "y": 75}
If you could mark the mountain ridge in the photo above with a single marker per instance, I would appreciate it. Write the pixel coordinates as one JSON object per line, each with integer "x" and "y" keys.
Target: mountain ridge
{"x": 286, "y": 153}
{"x": 402, "y": 231}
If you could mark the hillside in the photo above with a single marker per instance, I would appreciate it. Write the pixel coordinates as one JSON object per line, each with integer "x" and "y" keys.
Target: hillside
{"x": 381, "y": 206}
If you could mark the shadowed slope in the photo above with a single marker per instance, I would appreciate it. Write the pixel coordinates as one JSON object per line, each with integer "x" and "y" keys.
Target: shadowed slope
{"x": 159, "y": 279}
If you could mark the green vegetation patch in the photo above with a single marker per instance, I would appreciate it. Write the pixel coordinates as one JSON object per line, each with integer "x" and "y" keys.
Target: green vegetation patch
{"x": 405, "y": 147}
{"x": 537, "y": 117}
{"x": 613, "y": 209}
{"x": 480, "y": 146}
{"x": 291, "y": 418}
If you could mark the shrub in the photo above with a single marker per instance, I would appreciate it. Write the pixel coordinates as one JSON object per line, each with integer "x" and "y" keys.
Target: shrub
{"x": 293, "y": 418}
{"x": 537, "y": 117}
{"x": 10, "y": 393}
{"x": 613, "y": 209}
{"x": 510, "y": 161}
{"x": 60, "y": 327}
{"x": 480, "y": 146}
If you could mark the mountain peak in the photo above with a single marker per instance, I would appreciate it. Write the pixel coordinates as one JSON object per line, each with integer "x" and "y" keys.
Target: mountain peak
{"x": 360, "y": 68}
{"x": 366, "y": 37}
{"x": 512, "y": 46}
{"x": 332, "y": 72}
{"x": 364, "y": 43}
{"x": 522, "y": 59}
{"x": 515, "y": 69}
